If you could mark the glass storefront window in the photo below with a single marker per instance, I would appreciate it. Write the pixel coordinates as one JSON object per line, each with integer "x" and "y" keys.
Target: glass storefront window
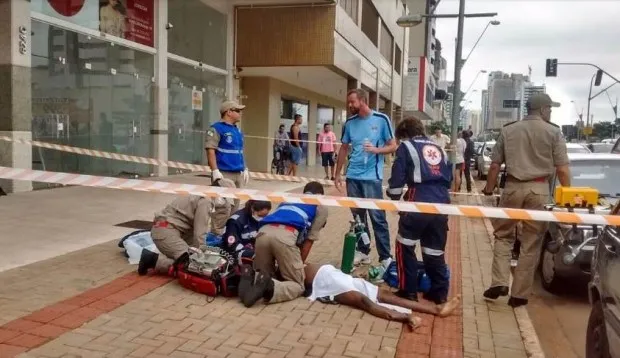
{"x": 194, "y": 98}
{"x": 132, "y": 20}
{"x": 198, "y": 33}
{"x": 92, "y": 94}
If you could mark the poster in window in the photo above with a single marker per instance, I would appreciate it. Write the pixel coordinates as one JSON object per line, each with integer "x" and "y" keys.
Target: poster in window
{"x": 128, "y": 19}
{"x": 197, "y": 100}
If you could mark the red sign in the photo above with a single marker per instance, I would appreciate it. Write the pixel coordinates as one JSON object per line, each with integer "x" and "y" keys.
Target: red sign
{"x": 140, "y": 19}
{"x": 66, "y": 8}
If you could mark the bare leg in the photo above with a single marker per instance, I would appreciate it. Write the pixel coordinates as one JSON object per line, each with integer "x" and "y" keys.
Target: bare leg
{"x": 442, "y": 310}
{"x": 358, "y": 300}
{"x": 333, "y": 171}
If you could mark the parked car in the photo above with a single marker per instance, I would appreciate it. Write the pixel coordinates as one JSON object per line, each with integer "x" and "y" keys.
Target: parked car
{"x": 603, "y": 332}
{"x": 600, "y": 147}
{"x": 559, "y": 260}
{"x": 577, "y": 148}
{"x": 616, "y": 148}
{"x": 483, "y": 159}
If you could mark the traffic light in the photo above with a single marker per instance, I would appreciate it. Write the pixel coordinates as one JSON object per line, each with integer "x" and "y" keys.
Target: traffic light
{"x": 551, "y": 69}
{"x": 599, "y": 78}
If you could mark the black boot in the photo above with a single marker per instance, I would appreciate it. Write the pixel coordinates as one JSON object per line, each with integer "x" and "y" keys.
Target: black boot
{"x": 247, "y": 280}
{"x": 406, "y": 295}
{"x": 494, "y": 292}
{"x": 516, "y": 302}
{"x": 148, "y": 259}
{"x": 262, "y": 288}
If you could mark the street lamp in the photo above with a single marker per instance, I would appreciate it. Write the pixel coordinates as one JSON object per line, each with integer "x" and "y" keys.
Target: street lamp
{"x": 474, "y": 81}
{"x": 492, "y": 22}
{"x": 416, "y": 19}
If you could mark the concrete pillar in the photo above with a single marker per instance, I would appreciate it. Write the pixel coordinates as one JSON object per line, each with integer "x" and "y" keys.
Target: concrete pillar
{"x": 15, "y": 92}
{"x": 159, "y": 129}
{"x": 313, "y": 120}
{"x": 259, "y": 120}
{"x": 352, "y": 83}
{"x": 373, "y": 100}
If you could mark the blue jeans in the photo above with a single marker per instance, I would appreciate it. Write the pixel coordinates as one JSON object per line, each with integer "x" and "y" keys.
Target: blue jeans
{"x": 371, "y": 189}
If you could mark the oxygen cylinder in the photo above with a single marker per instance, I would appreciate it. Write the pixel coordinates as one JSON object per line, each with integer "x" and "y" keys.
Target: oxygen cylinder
{"x": 348, "y": 250}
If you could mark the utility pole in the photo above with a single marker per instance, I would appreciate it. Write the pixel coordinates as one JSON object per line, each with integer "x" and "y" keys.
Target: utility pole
{"x": 456, "y": 97}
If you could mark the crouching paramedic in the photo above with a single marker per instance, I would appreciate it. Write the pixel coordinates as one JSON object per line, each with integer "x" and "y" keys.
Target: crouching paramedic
{"x": 423, "y": 166}
{"x": 286, "y": 237}
{"x": 181, "y": 225}
{"x": 241, "y": 231}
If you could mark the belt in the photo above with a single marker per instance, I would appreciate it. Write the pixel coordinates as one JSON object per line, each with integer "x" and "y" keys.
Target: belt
{"x": 161, "y": 224}
{"x": 535, "y": 180}
{"x": 285, "y": 227}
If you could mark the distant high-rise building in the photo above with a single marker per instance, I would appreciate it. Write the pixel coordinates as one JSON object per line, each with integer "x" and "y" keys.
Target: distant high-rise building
{"x": 475, "y": 122}
{"x": 484, "y": 110}
{"x": 505, "y": 97}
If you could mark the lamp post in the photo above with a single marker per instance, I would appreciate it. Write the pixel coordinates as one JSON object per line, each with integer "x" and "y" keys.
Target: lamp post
{"x": 492, "y": 22}
{"x": 416, "y": 19}
{"x": 474, "y": 81}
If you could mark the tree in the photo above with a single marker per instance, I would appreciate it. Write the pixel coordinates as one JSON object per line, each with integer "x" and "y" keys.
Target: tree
{"x": 603, "y": 129}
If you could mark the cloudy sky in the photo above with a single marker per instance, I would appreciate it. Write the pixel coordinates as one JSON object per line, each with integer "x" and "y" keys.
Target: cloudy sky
{"x": 529, "y": 33}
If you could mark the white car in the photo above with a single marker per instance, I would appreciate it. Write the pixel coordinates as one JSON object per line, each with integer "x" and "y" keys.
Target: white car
{"x": 483, "y": 159}
{"x": 577, "y": 148}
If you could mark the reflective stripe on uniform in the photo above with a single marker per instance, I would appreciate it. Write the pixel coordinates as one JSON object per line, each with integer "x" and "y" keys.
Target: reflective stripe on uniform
{"x": 417, "y": 172}
{"x": 296, "y": 210}
{"x": 229, "y": 151}
{"x": 431, "y": 252}
{"x": 395, "y": 191}
{"x": 406, "y": 242}
{"x": 249, "y": 235}
{"x": 239, "y": 247}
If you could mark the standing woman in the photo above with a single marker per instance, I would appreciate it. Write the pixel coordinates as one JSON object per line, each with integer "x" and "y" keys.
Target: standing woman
{"x": 460, "y": 160}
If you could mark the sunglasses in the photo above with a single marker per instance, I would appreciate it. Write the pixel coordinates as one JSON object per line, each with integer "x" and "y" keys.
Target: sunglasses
{"x": 235, "y": 110}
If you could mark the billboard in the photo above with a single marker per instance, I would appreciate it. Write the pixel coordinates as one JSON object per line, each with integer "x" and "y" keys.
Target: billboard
{"x": 132, "y": 20}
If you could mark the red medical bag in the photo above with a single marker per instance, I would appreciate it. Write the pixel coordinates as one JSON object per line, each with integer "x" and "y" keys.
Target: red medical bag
{"x": 209, "y": 274}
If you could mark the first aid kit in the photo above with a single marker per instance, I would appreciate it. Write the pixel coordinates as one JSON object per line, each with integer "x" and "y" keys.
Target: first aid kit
{"x": 210, "y": 272}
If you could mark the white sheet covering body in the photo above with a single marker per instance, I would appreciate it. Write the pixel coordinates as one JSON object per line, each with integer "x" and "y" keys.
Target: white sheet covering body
{"x": 330, "y": 282}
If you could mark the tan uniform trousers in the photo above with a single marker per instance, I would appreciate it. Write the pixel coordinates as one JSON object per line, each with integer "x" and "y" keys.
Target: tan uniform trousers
{"x": 237, "y": 178}
{"x": 171, "y": 246}
{"x": 279, "y": 244}
{"x": 519, "y": 195}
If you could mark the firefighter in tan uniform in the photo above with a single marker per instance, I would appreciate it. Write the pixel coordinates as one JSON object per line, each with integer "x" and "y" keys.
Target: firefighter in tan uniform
{"x": 181, "y": 225}
{"x": 533, "y": 150}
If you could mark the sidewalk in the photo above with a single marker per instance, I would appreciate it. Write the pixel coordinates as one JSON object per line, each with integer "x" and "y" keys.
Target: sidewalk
{"x": 90, "y": 303}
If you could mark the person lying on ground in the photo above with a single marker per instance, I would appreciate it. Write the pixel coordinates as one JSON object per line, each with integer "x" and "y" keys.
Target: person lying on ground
{"x": 241, "y": 231}
{"x": 182, "y": 224}
{"x": 328, "y": 284}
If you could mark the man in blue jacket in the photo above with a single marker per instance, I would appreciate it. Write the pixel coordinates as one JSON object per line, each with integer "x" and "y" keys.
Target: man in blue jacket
{"x": 286, "y": 237}
{"x": 423, "y": 166}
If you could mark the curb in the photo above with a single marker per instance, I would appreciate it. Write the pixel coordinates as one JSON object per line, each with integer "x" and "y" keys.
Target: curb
{"x": 529, "y": 337}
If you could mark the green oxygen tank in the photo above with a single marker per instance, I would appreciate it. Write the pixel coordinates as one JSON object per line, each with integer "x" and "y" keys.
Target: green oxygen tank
{"x": 348, "y": 249}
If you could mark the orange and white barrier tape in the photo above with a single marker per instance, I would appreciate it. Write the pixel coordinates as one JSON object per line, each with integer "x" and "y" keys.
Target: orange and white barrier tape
{"x": 278, "y": 197}
{"x": 152, "y": 161}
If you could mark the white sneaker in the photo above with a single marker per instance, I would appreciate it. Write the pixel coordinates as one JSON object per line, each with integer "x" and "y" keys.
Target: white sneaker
{"x": 361, "y": 259}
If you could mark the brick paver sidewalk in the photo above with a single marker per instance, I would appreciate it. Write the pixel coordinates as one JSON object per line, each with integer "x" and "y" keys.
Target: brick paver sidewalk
{"x": 91, "y": 304}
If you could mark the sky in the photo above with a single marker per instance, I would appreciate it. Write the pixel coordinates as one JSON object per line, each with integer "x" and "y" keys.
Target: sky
{"x": 529, "y": 33}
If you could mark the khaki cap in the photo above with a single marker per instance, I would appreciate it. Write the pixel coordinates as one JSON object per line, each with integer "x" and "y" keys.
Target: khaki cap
{"x": 228, "y": 105}
{"x": 541, "y": 100}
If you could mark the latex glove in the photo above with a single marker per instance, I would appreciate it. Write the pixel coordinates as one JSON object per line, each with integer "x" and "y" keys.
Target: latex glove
{"x": 245, "y": 175}
{"x": 216, "y": 175}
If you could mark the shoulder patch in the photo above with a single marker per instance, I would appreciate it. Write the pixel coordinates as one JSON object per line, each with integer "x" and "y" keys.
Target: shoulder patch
{"x": 211, "y": 132}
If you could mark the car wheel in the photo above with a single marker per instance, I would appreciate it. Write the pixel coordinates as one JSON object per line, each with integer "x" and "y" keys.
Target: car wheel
{"x": 596, "y": 335}
{"x": 550, "y": 280}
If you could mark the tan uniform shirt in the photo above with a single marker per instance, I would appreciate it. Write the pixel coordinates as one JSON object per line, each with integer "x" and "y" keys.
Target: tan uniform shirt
{"x": 213, "y": 139}
{"x": 189, "y": 214}
{"x": 320, "y": 219}
{"x": 530, "y": 148}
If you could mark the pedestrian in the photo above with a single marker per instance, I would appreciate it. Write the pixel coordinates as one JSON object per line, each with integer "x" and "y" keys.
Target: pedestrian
{"x": 468, "y": 156}
{"x": 224, "y": 146}
{"x": 533, "y": 150}
{"x": 239, "y": 239}
{"x": 182, "y": 224}
{"x": 423, "y": 166}
{"x": 370, "y": 136}
{"x": 327, "y": 148}
{"x": 459, "y": 163}
{"x": 439, "y": 138}
{"x": 286, "y": 237}
{"x": 296, "y": 151}
{"x": 281, "y": 141}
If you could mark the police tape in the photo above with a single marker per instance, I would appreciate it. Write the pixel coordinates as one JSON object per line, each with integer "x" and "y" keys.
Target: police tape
{"x": 153, "y": 161}
{"x": 279, "y": 197}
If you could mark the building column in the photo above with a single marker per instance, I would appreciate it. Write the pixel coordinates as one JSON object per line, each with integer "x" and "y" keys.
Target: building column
{"x": 389, "y": 110}
{"x": 352, "y": 83}
{"x": 16, "y": 90}
{"x": 373, "y": 100}
{"x": 159, "y": 130}
{"x": 313, "y": 119}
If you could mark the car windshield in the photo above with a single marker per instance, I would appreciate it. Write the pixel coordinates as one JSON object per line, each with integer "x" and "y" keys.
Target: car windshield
{"x": 599, "y": 174}
{"x": 577, "y": 149}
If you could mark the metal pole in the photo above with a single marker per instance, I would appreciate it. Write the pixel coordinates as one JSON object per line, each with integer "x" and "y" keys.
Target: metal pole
{"x": 458, "y": 62}
{"x": 476, "y": 44}
{"x": 589, "y": 100}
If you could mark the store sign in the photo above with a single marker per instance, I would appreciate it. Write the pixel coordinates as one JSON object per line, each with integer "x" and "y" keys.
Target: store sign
{"x": 411, "y": 85}
{"x": 197, "y": 100}
{"x": 23, "y": 37}
{"x": 132, "y": 20}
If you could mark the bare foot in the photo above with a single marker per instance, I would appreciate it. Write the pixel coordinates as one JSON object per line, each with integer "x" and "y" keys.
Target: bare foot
{"x": 414, "y": 322}
{"x": 447, "y": 308}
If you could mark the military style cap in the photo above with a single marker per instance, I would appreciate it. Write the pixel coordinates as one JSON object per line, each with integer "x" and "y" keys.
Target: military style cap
{"x": 541, "y": 100}
{"x": 230, "y": 105}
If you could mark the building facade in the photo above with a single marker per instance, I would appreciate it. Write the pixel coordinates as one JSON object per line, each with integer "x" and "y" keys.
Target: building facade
{"x": 505, "y": 97}
{"x": 146, "y": 77}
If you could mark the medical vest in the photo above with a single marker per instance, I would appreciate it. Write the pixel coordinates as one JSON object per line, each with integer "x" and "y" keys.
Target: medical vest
{"x": 299, "y": 216}
{"x": 229, "y": 151}
{"x": 424, "y": 167}
{"x": 242, "y": 227}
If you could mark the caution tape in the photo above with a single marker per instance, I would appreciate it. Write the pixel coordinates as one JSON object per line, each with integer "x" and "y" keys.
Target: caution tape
{"x": 278, "y": 197}
{"x": 153, "y": 161}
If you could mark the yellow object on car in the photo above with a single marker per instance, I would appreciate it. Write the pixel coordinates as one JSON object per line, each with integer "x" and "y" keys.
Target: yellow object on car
{"x": 575, "y": 196}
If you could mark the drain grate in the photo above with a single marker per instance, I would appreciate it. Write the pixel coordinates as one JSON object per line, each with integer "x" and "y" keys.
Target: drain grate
{"x": 136, "y": 224}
